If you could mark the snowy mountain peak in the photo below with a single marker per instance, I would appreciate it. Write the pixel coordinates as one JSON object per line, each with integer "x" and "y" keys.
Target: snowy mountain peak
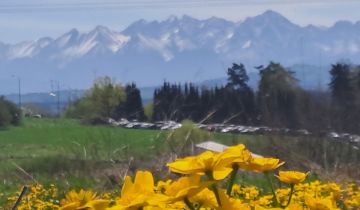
{"x": 216, "y": 20}
{"x": 189, "y": 19}
{"x": 269, "y": 17}
{"x": 73, "y": 32}
{"x": 271, "y": 14}
{"x": 68, "y": 38}
{"x": 100, "y": 34}
{"x": 101, "y": 31}
{"x": 99, "y": 40}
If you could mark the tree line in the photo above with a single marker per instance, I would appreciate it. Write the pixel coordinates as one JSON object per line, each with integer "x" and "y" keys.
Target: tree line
{"x": 278, "y": 101}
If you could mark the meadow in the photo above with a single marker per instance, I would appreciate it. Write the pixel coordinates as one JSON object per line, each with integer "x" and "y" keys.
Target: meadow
{"x": 72, "y": 155}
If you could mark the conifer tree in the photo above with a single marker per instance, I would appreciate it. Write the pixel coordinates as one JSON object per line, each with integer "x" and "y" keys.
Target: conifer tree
{"x": 133, "y": 103}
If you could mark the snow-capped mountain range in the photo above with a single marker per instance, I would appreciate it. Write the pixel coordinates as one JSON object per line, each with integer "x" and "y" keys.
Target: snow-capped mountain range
{"x": 177, "y": 49}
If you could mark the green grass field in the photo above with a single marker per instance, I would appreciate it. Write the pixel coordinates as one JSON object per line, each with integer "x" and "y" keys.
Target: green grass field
{"x": 39, "y": 138}
{"x": 66, "y": 152}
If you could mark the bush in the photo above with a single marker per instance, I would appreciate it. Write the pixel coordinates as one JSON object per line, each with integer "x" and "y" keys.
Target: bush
{"x": 9, "y": 113}
{"x": 182, "y": 140}
{"x": 149, "y": 110}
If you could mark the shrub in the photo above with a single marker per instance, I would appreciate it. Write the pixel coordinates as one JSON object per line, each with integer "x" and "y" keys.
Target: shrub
{"x": 9, "y": 113}
{"x": 182, "y": 140}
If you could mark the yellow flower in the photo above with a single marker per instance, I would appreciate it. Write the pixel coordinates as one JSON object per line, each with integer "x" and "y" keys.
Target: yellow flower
{"x": 261, "y": 164}
{"x": 205, "y": 163}
{"x": 206, "y": 198}
{"x": 236, "y": 154}
{"x": 249, "y": 193}
{"x": 236, "y": 189}
{"x": 291, "y": 177}
{"x": 185, "y": 187}
{"x": 334, "y": 189}
{"x": 162, "y": 186}
{"x": 295, "y": 206}
{"x": 228, "y": 203}
{"x": 320, "y": 203}
{"x": 263, "y": 208}
{"x": 83, "y": 200}
{"x": 137, "y": 194}
{"x": 95, "y": 205}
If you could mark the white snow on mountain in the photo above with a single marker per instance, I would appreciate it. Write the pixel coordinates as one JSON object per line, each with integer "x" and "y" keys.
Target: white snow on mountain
{"x": 101, "y": 38}
{"x": 21, "y": 50}
{"x": 247, "y": 44}
{"x": 158, "y": 45}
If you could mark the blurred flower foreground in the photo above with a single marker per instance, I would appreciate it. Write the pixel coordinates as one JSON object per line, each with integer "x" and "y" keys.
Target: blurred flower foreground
{"x": 206, "y": 181}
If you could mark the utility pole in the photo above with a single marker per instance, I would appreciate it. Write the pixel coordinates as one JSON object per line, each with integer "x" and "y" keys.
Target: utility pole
{"x": 57, "y": 94}
{"x": 58, "y": 98}
{"x": 19, "y": 90}
{"x": 19, "y": 86}
{"x": 302, "y": 59}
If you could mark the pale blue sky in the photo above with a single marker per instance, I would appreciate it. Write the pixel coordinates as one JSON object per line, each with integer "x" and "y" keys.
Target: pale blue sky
{"x": 31, "y": 19}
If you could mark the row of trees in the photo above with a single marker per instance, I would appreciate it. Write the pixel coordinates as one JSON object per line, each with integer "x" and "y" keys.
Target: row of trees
{"x": 219, "y": 104}
{"x": 275, "y": 103}
{"x": 279, "y": 101}
{"x": 9, "y": 113}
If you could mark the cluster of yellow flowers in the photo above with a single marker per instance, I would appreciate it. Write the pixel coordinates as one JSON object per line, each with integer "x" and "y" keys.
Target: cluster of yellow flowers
{"x": 208, "y": 182}
{"x": 36, "y": 197}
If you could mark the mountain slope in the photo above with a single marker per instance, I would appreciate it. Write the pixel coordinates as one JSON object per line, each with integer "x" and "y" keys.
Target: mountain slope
{"x": 177, "y": 49}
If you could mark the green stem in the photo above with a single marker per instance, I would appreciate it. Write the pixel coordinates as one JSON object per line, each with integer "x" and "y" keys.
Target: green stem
{"x": 188, "y": 203}
{"x": 232, "y": 179}
{"x": 216, "y": 192}
{"x": 291, "y": 193}
{"x": 214, "y": 188}
{"x": 267, "y": 175}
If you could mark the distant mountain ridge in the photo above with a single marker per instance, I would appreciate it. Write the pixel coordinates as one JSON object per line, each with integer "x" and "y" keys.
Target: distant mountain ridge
{"x": 177, "y": 49}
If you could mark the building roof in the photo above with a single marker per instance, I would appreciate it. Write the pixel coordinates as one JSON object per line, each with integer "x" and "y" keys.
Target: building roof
{"x": 212, "y": 146}
{"x": 216, "y": 147}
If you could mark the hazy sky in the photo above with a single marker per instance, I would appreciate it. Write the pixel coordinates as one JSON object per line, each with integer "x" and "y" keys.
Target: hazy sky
{"x": 31, "y": 19}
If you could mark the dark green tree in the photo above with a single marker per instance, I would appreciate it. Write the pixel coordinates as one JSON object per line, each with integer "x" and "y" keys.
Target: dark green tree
{"x": 340, "y": 85}
{"x": 239, "y": 96}
{"x": 132, "y": 107}
{"x": 237, "y": 77}
{"x": 277, "y": 96}
{"x": 343, "y": 98}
